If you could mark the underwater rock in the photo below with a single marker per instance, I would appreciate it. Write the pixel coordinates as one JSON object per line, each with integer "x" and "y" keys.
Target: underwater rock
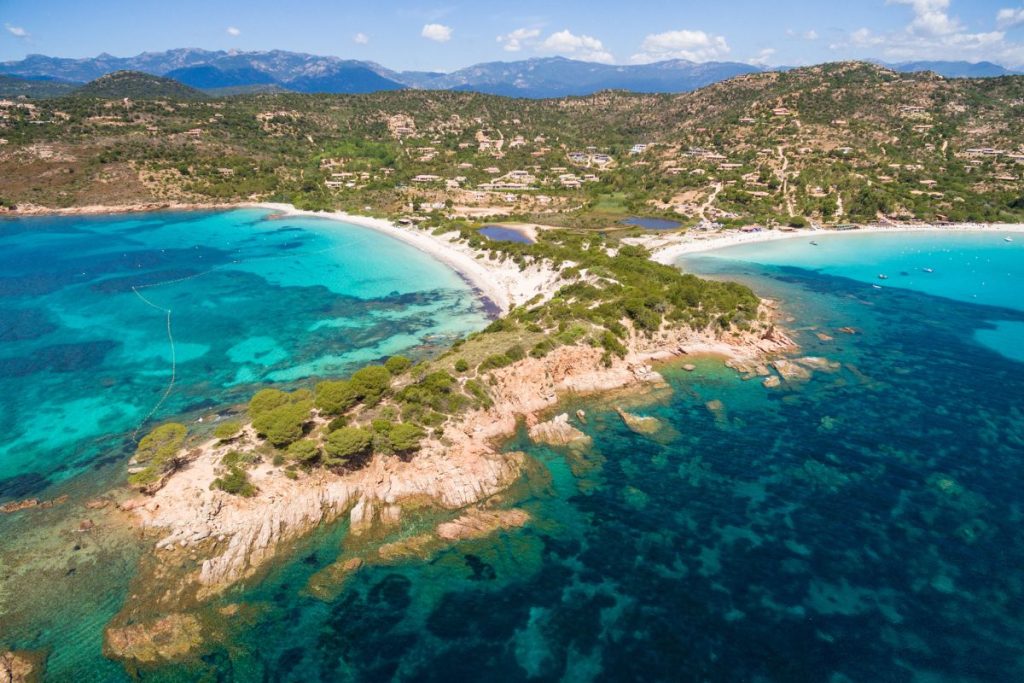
{"x": 639, "y": 424}
{"x": 717, "y": 408}
{"x": 29, "y": 503}
{"x": 790, "y": 371}
{"x": 689, "y": 367}
{"x": 419, "y": 546}
{"x": 823, "y": 337}
{"x": 97, "y": 504}
{"x": 21, "y": 666}
{"x": 558, "y": 432}
{"x": 18, "y": 505}
{"x": 479, "y": 523}
{"x": 772, "y": 382}
{"x": 581, "y": 415}
{"x": 819, "y": 363}
{"x": 848, "y": 330}
{"x": 167, "y": 638}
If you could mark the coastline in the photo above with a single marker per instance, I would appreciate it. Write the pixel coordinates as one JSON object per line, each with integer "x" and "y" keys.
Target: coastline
{"x": 206, "y": 540}
{"x": 503, "y": 283}
{"x": 666, "y": 249}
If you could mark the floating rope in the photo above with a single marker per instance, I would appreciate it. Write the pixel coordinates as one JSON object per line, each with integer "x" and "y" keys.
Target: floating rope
{"x": 168, "y": 314}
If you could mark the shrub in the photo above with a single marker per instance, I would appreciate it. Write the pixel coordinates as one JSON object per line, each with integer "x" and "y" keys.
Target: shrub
{"x": 334, "y": 398}
{"x": 345, "y": 444}
{"x": 304, "y": 450}
{"x": 283, "y": 425}
{"x": 515, "y": 353}
{"x": 236, "y": 482}
{"x": 369, "y": 384}
{"x": 461, "y": 365}
{"x": 405, "y": 437}
{"x": 227, "y": 430}
{"x": 157, "y": 452}
{"x": 396, "y": 365}
{"x": 494, "y": 362}
{"x": 337, "y": 423}
{"x": 266, "y": 400}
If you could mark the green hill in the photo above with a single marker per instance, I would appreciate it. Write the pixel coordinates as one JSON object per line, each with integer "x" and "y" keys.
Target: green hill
{"x": 836, "y": 143}
{"x": 13, "y": 86}
{"x": 137, "y": 85}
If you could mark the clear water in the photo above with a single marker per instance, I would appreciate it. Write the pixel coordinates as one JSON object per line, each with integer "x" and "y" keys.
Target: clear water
{"x": 85, "y": 356}
{"x": 864, "y": 526}
{"x": 500, "y": 234}
{"x": 650, "y": 223}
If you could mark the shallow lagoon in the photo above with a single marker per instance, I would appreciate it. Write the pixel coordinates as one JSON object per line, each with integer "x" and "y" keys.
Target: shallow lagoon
{"x": 84, "y": 350}
{"x": 862, "y": 526}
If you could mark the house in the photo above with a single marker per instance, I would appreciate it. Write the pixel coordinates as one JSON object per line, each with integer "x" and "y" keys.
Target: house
{"x": 638, "y": 148}
{"x": 426, "y": 178}
{"x": 781, "y": 111}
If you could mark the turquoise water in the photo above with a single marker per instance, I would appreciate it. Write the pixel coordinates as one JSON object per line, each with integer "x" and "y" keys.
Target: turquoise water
{"x": 864, "y": 526}
{"x": 85, "y": 356}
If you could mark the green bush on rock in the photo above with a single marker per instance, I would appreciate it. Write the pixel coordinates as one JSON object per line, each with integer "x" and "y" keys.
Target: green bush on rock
{"x": 157, "y": 453}
{"x": 346, "y": 444}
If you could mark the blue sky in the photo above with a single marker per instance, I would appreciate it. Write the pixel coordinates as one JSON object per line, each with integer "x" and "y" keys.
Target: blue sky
{"x": 403, "y": 34}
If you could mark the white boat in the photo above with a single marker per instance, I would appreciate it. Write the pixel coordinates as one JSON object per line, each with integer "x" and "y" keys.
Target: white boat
{"x": 928, "y": 270}
{"x": 883, "y": 277}
{"x": 877, "y": 286}
{"x": 1007, "y": 239}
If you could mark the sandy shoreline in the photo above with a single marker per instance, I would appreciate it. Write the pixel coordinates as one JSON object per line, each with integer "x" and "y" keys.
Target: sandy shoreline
{"x": 668, "y": 248}
{"x": 503, "y": 283}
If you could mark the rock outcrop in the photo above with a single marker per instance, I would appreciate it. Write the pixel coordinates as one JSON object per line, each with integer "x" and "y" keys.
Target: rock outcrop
{"x": 21, "y": 667}
{"x": 558, "y": 432}
{"x": 640, "y": 424}
{"x": 165, "y": 639}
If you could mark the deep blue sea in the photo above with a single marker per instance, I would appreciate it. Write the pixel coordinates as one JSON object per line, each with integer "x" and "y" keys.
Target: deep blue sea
{"x": 862, "y": 526}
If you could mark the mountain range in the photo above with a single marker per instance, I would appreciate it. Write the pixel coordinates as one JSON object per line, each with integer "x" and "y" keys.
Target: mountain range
{"x": 227, "y": 72}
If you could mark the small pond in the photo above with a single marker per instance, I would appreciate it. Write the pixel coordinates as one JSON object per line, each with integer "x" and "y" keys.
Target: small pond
{"x": 500, "y": 234}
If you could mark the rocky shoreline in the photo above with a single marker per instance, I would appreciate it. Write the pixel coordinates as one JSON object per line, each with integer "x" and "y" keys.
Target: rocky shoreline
{"x": 206, "y": 541}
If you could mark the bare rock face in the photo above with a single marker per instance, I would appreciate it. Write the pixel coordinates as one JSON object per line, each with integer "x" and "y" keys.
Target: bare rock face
{"x": 164, "y": 639}
{"x": 479, "y": 523}
{"x": 558, "y": 432}
{"x": 21, "y": 667}
{"x": 640, "y": 424}
{"x": 772, "y": 382}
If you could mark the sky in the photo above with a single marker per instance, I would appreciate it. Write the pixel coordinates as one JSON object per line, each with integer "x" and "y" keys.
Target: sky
{"x": 444, "y": 36}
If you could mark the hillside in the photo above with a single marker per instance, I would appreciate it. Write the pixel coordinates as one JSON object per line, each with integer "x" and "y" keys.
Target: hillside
{"x": 136, "y": 85}
{"x": 827, "y": 144}
{"x": 538, "y": 77}
{"x": 12, "y": 86}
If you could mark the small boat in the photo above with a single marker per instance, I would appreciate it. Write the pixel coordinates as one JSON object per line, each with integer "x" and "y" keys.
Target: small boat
{"x": 877, "y": 286}
{"x": 813, "y": 243}
{"x": 882, "y": 276}
{"x": 1007, "y": 239}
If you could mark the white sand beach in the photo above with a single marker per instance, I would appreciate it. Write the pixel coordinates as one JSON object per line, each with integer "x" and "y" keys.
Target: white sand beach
{"x": 500, "y": 281}
{"x": 668, "y": 248}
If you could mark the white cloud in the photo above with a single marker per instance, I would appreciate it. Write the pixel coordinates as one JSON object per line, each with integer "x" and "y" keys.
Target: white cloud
{"x": 16, "y": 31}
{"x": 361, "y": 38}
{"x": 930, "y": 17}
{"x": 695, "y": 46}
{"x": 763, "y": 57}
{"x": 232, "y": 31}
{"x": 811, "y": 35}
{"x": 587, "y": 48}
{"x": 437, "y": 32}
{"x": 1008, "y": 18}
{"x": 515, "y": 40}
{"x": 934, "y": 35}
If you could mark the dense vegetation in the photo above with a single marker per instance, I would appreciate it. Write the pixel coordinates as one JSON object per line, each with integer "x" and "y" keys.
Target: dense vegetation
{"x": 832, "y": 143}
